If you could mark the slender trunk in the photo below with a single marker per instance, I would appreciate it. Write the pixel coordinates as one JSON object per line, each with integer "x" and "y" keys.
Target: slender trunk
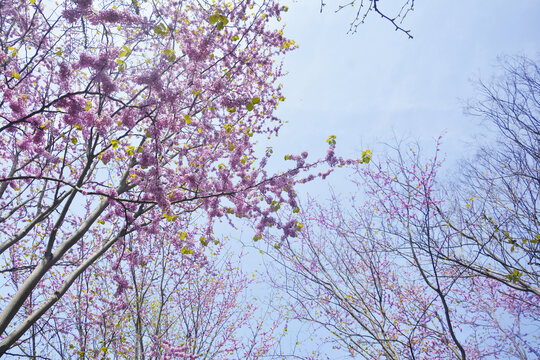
{"x": 44, "y": 266}
{"x": 12, "y": 338}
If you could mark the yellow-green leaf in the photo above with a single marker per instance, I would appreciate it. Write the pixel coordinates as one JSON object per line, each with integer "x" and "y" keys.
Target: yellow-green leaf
{"x": 366, "y": 156}
{"x": 213, "y": 19}
{"x": 186, "y": 251}
{"x": 331, "y": 140}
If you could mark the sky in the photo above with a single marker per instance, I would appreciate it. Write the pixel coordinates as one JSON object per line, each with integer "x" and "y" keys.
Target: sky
{"x": 377, "y": 85}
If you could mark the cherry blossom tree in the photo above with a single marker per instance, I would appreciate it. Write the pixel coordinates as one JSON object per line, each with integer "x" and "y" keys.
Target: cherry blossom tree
{"x": 417, "y": 267}
{"x": 118, "y": 117}
{"x": 156, "y": 303}
{"x": 499, "y": 221}
{"x": 381, "y": 277}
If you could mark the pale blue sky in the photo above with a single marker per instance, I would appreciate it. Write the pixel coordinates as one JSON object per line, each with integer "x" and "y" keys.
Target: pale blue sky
{"x": 366, "y": 86}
